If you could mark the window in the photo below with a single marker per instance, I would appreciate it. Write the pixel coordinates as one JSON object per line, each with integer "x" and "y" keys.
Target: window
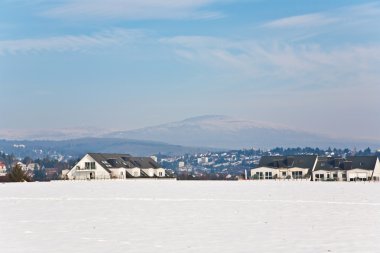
{"x": 89, "y": 165}
{"x": 160, "y": 174}
{"x": 260, "y": 175}
{"x": 297, "y": 174}
{"x": 268, "y": 175}
{"x": 328, "y": 176}
{"x": 284, "y": 173}
{"x": 335, "y": 175}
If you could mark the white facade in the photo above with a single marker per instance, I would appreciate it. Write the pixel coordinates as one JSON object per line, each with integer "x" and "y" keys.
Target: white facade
{"x": 88, "y": 168}
{"x": 160, "y": 172}
{"x": 359, "y": 175}
{"x": 264, "y": 173}
{"x": 134, "y": 172}
{"x": 149, "y": 172}
{"x": 322, "y": 175}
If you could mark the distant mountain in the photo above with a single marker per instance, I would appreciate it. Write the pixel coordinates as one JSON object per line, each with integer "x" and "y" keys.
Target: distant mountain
{"x": 78, "y": 147}
{"x": 229, "y": 133}
{"x": 52, "y": 134}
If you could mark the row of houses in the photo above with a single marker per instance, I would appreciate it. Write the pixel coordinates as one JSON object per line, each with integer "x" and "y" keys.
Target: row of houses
{"x": 120, "y": 166}
{"x": 315, "y": 168}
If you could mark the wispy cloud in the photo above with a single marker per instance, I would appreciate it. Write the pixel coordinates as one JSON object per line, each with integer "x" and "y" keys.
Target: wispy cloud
{"x": 341, "y": 15}
{"x": 69, "y": 42}
{"x": 282, "y": 63}
{"x": 135, "y": 9}
{"x": 301, "y": 21}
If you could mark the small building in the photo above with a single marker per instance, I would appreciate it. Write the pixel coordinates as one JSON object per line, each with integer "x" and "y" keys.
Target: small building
{"x": 285, "y": 167}
{"x": 120, "y": 166}
{"x": 3, "y": 169}
{"x": 32, "y": 166}
{"x": 52, "y": 173}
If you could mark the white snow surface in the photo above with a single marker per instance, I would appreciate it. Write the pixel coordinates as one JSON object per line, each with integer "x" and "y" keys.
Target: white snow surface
{"x": 189, "y": 216}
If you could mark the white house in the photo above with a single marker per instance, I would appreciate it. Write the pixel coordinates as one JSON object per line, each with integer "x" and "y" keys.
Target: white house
{"x": 285, "y": 167}
{"x": 352, "y": 168}
{"x": 121, "y": 166}
{"x": 331, "y": 168}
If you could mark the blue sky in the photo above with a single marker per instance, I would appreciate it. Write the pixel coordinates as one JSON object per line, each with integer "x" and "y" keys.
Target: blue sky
{"x": 124, "y": 64}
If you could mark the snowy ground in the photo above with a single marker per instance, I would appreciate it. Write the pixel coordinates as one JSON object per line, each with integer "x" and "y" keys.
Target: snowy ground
{"x": 178, "y": 216}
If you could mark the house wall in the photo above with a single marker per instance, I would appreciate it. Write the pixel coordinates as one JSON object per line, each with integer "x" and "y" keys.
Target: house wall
{"x": 118, "y": 173}
{"x": 325, "y": 174}
{"x": 158, "y": 171}
{"x": 376, "y": 171}
{"x": 359, "y": 173}
{"x": 279, "y": 172}
{"x": 135, "y": 172}
{"x": 99, "y": 172}
{"x": 303, "y": 170}
{"x": 263, "y": 170}
{"x": 149, "y": 172}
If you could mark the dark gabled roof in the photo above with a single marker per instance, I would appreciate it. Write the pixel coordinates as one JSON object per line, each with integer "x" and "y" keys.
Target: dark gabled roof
{"x": 351, "y": 162}
{"x": 143, "y": 162}
{"x": 363, "y": 162}
{"x": 108, "y": 161}
{"x": 300, "y": 161}
{"x": 332, "y": 163}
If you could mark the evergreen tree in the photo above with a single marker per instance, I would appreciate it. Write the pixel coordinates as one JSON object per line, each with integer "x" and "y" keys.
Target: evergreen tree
{"x": 18, "y": 175}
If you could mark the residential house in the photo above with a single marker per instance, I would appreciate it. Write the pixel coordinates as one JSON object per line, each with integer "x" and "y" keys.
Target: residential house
{"x": 285, "y": 167}
{"x": 352, "y": 168}
{"x": 331, "y": 168}
{"x": 121, "y": 166}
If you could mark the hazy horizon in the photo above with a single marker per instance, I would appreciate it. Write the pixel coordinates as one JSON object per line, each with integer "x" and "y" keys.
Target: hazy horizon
{"x": 122, "y": 65}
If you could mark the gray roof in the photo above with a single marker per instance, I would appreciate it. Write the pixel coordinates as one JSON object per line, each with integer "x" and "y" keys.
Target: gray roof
{"x": 108, "y": 161}
{"x": 300, "y": 161}
{"x": 332, "y": 163}
{"x": 351, "y": 162}
{"x": 363, "y": 162}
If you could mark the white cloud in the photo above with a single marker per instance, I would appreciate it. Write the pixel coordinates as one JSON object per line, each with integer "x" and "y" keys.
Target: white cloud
{"x": 282, "y": 63}
{"x": 135, "y": 9}
{"x": 69, "y": 42}
{"x": 343, "y": 15}
{"x": 302, "y": 21}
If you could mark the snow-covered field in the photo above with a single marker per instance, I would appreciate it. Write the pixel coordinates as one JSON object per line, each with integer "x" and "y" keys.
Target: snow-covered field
{"x": 178, "y": 216}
